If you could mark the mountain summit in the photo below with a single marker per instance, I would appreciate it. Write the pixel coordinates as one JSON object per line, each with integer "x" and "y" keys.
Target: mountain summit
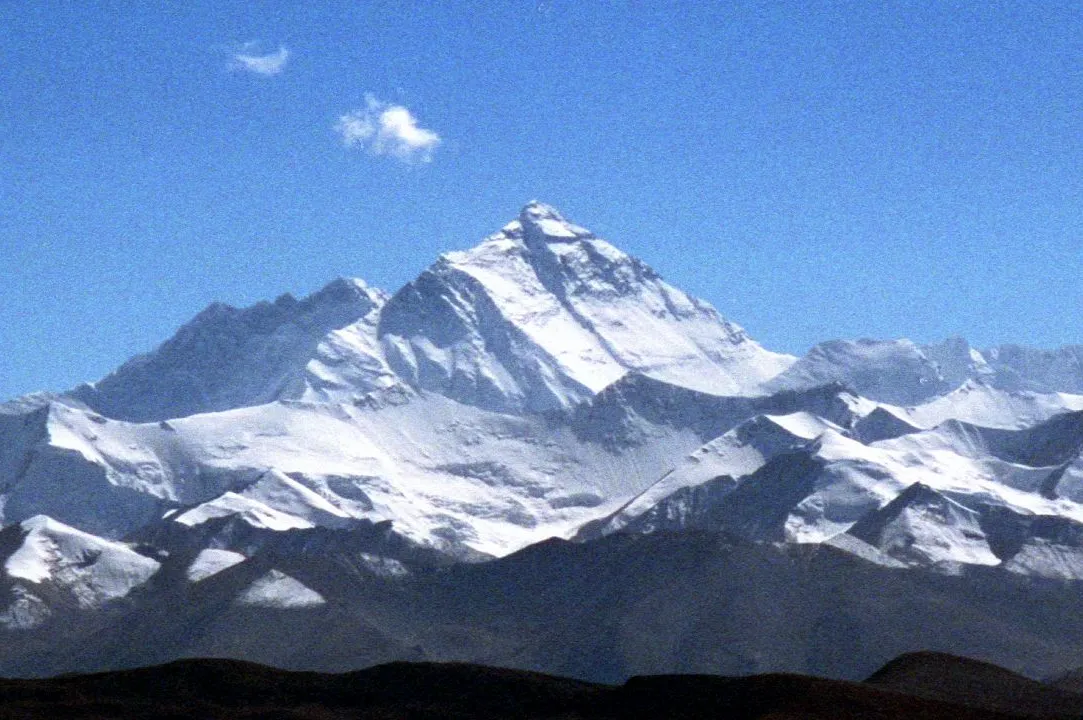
{"x": 226, "y": 357}
{"x": 539, "y": 316}
{"x": 543, "y": 314}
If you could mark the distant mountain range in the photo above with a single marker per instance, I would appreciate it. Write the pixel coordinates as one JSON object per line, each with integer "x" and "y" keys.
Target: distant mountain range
{"x": 539, "y": 454}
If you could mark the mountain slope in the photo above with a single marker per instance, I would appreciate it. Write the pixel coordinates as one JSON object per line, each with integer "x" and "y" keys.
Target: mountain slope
{"x": 543, "y": 314}
{"x": 227, "y": 357}
{"x": 49, "y": 567}
{"x": 538, "y": 316}
{"x": 339, "y": 464}
{"x": 902, "y": 372}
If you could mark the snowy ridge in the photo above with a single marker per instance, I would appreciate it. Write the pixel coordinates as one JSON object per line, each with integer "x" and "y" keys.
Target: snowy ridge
{"x": 543, "y": 314}
{"x": 667, "y": 504}
{"x": 541, "y": 384}
{"x": 896, "y": 372}
{"x": 925, "y": 498}
{"x": 540, "y": 315}
{"x": 210, "y": 562}
{"x": 88, "y": 571}
{"x": 921, "y": 526}
{"x": 902, "y": 372}
{"x": 444, "y": 473}
{"x": 228, "y": 357}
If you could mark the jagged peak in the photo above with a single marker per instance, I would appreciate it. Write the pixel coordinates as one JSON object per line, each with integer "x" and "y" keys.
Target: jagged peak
{"x": 346, "y": 289}
{"x": 537, "y": 210}
{"x": 537, "y": 225}
{"x": 872, "y": 526}
{"x": 45, "y": 523}
{"x": 541, "y": 223}
{"x": 556, "y": 250}
{"x": 342, "y": 291}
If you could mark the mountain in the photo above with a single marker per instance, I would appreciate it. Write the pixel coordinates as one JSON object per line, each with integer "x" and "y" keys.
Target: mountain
{"x": 536, "y": 454}
{"x": 426, "y": 409}
{"x": 227, "y": 357}
{"x": 543, "y": 314}
{"x": 603, "y": 611}
{"x": 538, "y": 316}
{"x": 902, "y": 372}
{"x": 74, "y": 569}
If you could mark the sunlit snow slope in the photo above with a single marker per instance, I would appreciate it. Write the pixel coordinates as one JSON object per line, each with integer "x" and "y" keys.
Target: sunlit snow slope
{"x": 540, "y": 384}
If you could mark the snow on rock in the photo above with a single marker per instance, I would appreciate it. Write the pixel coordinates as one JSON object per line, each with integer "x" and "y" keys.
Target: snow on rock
{"x": 252, "y": 511}
{"x": 212, "y": 561}
{"x": 227, "y": 357}
{"x": 541, "y": 384}
{"x": 851, "y": 545}
{"x": 1066, "y": 481}
{"x": 273, "y": 502}
{"x": 447, "y": 475}
{"x": 25, "y": 612}
{"x": 814, "y": 481}
{"x": 287, "y": 495}
{"x": 890, "y": 371}
{"x": 538, "y": 316}
{"x": 902, "y": 372}
{"x": 92, "y": 570}
{"x": 1042, "y": 371}
{"x": 670, "y": 503}
{"x": 980, "y": 403}
{"x": 883, "y": 423}
{"x": 56, "y": 468}
{"x": 958, "y": 362}
{"x": 280, "y": 591}
{"x": 1044, "y": 558}
{"x": 922, "y": 526}
{"x": 23, "y": 426}
{"x": 543, "y": 314}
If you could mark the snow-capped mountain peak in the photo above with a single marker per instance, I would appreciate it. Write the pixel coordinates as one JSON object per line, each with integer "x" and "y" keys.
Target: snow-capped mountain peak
{"x": 538, "y": 316}
{"x": 543, "y": 314}
{"x": 539, "y": 223}
{"x": 46, "y": 557}
{"x": 228, "y": 357}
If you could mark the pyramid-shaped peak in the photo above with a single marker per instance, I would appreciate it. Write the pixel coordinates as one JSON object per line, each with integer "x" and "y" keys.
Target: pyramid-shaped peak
{"x": 344, "y": 290}
{"x": 537, "y": 210}
{"x": 541, "y": 222}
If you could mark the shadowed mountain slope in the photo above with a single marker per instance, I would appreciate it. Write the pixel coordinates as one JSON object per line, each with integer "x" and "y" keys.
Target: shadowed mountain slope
{"x": 231, "y": 689}
{"x": 949, "y": 678}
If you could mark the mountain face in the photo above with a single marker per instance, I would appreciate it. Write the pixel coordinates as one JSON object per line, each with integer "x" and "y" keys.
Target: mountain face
{"x": 227, "y": 358}
{"x": 539, "y": 316}
{"x": 543, "y": 315}
{"x": 902, "y": 372}
{"x": 296, "y": 460}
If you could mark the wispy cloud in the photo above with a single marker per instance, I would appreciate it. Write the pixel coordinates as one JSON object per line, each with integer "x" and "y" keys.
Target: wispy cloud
{"x": 269, "y": 64}
{"x": 385, "y": 129}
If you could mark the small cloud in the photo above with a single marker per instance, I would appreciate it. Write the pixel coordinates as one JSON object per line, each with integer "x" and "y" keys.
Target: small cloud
{"x": 385, "y": 129}
{"x": 269, "y": 64}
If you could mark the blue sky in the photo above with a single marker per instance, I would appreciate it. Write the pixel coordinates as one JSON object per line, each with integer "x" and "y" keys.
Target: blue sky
{"x": 814, "y": 169}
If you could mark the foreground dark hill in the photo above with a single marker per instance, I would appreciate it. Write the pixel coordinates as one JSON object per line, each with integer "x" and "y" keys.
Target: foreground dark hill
{"x": 233, "y": 689}
{"x": 939, "y": 676}
{"x": 603, "y": 611}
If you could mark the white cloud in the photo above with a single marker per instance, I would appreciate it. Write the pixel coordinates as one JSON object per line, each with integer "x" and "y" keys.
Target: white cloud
{"x": 269, "y": 64}
{"x": 385, "y": 129}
